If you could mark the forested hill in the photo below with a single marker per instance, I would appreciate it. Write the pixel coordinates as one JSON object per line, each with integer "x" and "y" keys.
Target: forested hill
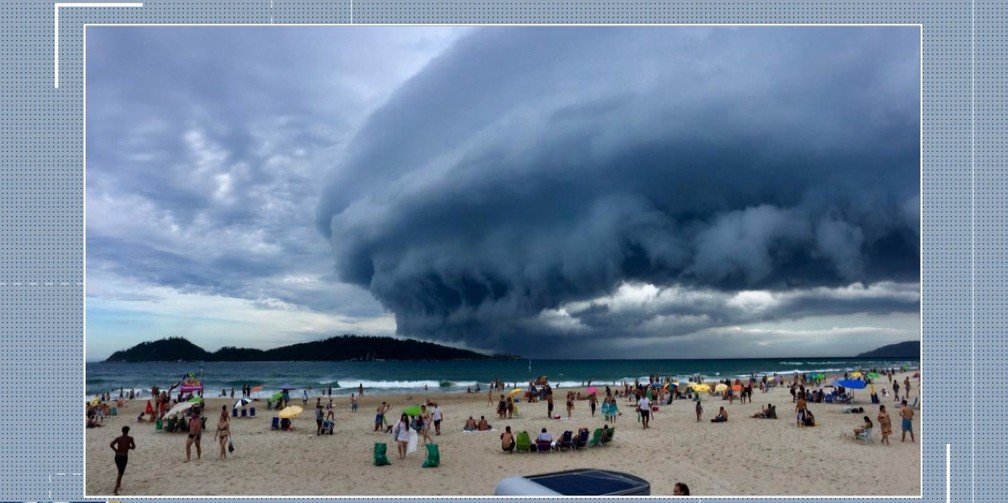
{"x": 908, "y": 349}
{"x": 341, "y": 348}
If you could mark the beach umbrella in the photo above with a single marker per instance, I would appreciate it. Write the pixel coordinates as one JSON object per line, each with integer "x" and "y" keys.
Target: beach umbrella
{"x": 196, "y": 399}
{"x": 855, "y": 374}
{"x": 850, "y": 383}
{"x": 241, "y": 403}
{"x": 720, "y": 388}
{"x": 873, "y": 375}
{"x": 256, "y": 388}
{"x": 516, "y": 391}
{"x": 700, "y": 387}
{"x": 412, "y": 410}
{"x": 592, "y": 390}
{"x": 276, "y": 396}
{"x": 288, "y": 387}
{"x": 290, "y": 411}
{"x": 737, "y": 387}
{"x": 180, "y": 407}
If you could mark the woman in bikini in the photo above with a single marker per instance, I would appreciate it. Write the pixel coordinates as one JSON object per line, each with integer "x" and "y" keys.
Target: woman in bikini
{"x": 223, "y": 431}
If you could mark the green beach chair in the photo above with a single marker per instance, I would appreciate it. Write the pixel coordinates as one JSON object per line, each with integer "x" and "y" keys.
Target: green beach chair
{"x": 380, "y": 457}
{"x": 596, "y": 439}
{"x": 523, "y": 443}
{"x": 433, "y": 456}
{"x": 609, "y": 436}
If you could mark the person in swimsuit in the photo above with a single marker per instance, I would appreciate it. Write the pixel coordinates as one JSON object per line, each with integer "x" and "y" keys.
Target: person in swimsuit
{"x": 592, "y": 403}
{"x": 507, "y": 440}
{"x": 379, "y": 420}
{"x": 907, "y": 423}
{"x": 425, "y": 424}
{"x": 570, "y": 403}
{"x": 885, "y": 423}
{"x": 223, "y": 431}
{"x": 195, "y": 433}
{"x": 121, "y": 445}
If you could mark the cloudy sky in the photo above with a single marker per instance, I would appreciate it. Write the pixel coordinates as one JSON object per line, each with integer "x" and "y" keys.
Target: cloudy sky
{"x": 629, "y": 192}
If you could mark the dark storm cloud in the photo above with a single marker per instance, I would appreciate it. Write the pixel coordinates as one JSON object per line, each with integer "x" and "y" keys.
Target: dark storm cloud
{"x": 529, "y": 168}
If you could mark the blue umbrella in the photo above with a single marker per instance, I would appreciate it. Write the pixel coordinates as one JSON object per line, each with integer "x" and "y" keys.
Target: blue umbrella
{"x": 288, "y": 387}
{"x": 850, "y": 383}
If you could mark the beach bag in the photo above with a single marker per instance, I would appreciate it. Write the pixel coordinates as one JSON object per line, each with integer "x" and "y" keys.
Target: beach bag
{"x": 433, "y": 457}
{"x": 380, "y": 458}
{"x": 411, "y": 445}
{"x": 230, "y": 444}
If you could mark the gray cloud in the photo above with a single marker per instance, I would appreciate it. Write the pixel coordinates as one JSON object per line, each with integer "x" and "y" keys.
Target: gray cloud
{"x": 528, "y": 168}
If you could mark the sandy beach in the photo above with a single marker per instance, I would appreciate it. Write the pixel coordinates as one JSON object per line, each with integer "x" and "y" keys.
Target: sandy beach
{"x": 742, "y": 456}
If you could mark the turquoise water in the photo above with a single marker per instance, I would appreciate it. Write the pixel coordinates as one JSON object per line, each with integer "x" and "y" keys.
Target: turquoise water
{"x": 447, "y": 376}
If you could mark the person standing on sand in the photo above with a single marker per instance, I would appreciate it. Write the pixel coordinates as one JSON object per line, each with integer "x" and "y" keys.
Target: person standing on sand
{"x": 549, "y": 401}
{"x": 401, "y": 434}
{"x": 379, "y": 420}
{"x": 195, "y": 433}
{"x": 906, "y": 388}
{"x": 353, "y": 403}
{"x": 223, "y": 431}
{"x": 644, "y": 408}
{"x": 121, "y": 445}
{"x": 885, "y": 424}
{"x": 800, "y": 410}
{"x": 907, "y": 423}
{"x": 436, "y": 416}
{"x": 699, "y": 411}
{"x": 592, "y": 402}
{"x": 360, "y": 389}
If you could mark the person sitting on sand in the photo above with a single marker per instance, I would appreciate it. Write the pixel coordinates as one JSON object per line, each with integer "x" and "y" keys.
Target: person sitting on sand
{"x": 483, "y": 425}
{"x": 809, "y": 418}
{"x": 763, "y": 413}
{"x": 721, "y": 416}
{"x": 470, "y": 424}
{"x": 507, "y": 440}
{"x": 800, "y": 408}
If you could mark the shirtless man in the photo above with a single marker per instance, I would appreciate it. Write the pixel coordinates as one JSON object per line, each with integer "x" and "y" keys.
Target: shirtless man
{"x": 195, "y": 433}
{"x": 907, "y": 424}
{"x": 379, "y": 420}
{"x": 121, "y": 445}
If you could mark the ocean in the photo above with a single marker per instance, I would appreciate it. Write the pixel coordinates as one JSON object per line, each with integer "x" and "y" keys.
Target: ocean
{"x": 444, "y": 376}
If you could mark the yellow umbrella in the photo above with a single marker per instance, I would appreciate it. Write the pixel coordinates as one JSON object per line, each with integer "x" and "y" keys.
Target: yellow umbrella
{"x": 290, "y": 411}
{"x": 700, "y": 387}
{"x": 855, "y": 374}
{"x": 94, "y": 402}
{"x": 516, "y": 390}
{"x": 720, "y": 388}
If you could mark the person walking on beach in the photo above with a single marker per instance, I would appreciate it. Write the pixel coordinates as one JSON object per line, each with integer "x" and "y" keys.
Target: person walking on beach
{"x": 353, "y": 403}
{"x": 800, "y": 410}
{"x": 644, "y": 408}
{"x": 379, "y": 420}
{"x": 907, "y": 423}
{"x": 401, "y": 434}
{"x": 121, "y": 445}
{"x": 195, "y": 433}
{"x": 699, "y": 411}
{"x": 592, "y": 403}
{"x": 906, "y": 388}
{"x": 223, "y": 431}
{"x": 425, "y": 421}
{"x": 437, "y": 416}
{"x": 570, "y": 404}
{"x": 360, "y": 389}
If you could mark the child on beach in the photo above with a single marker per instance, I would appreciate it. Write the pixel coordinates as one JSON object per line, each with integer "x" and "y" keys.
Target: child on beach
{"x": 699, "y": 411}
{"x": 353, "y": 403}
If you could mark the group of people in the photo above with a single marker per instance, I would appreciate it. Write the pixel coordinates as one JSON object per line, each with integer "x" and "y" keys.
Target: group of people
{"x": 906, "y": 414}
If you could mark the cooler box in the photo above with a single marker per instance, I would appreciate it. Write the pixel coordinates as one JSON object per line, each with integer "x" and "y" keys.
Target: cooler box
{"x": 578, "y": 482}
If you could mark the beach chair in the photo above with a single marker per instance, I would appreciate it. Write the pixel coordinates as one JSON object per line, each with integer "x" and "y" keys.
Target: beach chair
{"x": 276, "y": 423}
{"x": 327, "y": 427}
{"x": 609, "y": 436}
{"x": 523, "y": 443}
{"x": 864, "y": 436}
{"x": 566, "y": 440}
{"x": 581, "y": 441}
{"x": 544, "y": 446}
{"x": 596, "y": 439}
